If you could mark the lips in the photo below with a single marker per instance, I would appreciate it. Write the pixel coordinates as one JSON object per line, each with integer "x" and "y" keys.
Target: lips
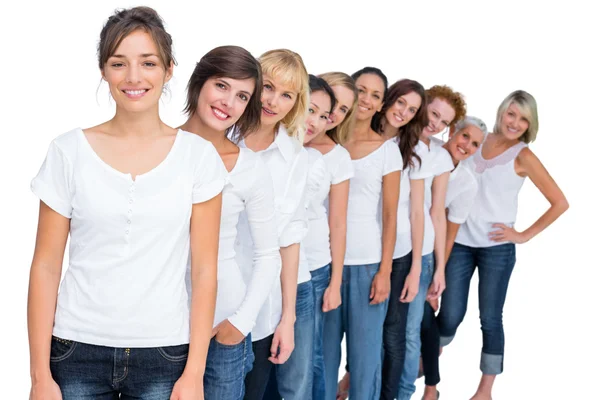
{"x": 363, "y": 108}
{"x": 268, "y": 112}
{"x": 398, "y": 118}
{"x": 220, "y": 114}
{"x": 134, "y": 93}
{"x": 309, "y": 131}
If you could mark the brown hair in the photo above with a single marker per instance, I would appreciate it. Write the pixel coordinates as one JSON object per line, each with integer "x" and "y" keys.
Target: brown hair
{"x": 123, "y": 22}
{"x": 228, "y": 62}
{"x": 455, "y": 99}
{"x": 408, "y": 134}
{"x": 340, "y": 133}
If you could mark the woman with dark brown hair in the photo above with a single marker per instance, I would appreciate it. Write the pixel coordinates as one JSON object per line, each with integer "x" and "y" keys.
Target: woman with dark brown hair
{"x": 224, "y": 90}
{"x": 138, "y": 200}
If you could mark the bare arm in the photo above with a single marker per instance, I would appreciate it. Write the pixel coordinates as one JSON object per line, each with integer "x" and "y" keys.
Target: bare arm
{"x": 417, "y": 231}
{"x": 451, "y": 232}
{"x": 338, "y": 212}
{"x": 438, "y": 217}
{"x": 44, "y": 279}
{"x": 380, "y": 289}
{"x": 204, "y": 239}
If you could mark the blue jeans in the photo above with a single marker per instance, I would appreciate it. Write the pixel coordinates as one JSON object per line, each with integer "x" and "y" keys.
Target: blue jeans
{"x": 413, "y": 331}
{"x": 293, "y": 379}
{"x": 495, "y": 265}
{"x": 363, "y": 325}
{"x": 320, "y": 279}
{"x": 226, "y": 368}
{"x": 107, "y": 373}
{"x": 394, "y": 330}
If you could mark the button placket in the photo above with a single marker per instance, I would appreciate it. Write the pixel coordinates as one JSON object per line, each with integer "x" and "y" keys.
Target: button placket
{"x": 130, "y": 209}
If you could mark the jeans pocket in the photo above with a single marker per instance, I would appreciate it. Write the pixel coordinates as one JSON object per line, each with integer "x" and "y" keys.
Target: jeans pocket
{"x": 61, "y": 349}
{"x": 228, "y": 345}
{"x": 176, "y": 353}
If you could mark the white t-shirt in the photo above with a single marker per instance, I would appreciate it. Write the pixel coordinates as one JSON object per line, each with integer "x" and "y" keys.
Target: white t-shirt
{"x": 317, "y": 183}
{"x": 418, "y": 171}
{"x": 247, "y": 188}
{"x": 439, "y": 161}
{"x": 462, "y": 189}
{"x": 363, "y": 237}
{"x": 130, "y": 240}
{"x": 287, "y": 161}
{"x": 317, "y": 244}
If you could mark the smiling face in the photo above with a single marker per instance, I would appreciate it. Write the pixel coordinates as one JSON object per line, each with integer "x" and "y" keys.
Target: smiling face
{"x": 371, "y": 89}
{"x": 345, "y": 100}
{"x": 440, "y": 115}
{"x": 318, "y": 113}
{"x": 135, "y": 74}
{"x": 514, "y": 123}
{"x": 277, "y": 100}
{"x": 222, "y": 101}
{"x": 403, "y": 110}
{"x": 464, "y": 143}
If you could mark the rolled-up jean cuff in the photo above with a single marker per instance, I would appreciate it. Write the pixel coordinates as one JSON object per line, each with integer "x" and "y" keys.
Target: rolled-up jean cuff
{"x": 446, "y": 340}
{"x": 491, "y": 364}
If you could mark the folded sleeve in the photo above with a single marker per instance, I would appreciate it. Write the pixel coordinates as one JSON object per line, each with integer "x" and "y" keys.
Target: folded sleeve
{"x": 266, "y": 261}
{"x": 292, "y": 219}
{"x": 392, "y": 160}
{"x": 54, "y": 182}
{"x": 461, "y": 205}
{"x": 209, "y": 175}
{"x": 344, "y": 168}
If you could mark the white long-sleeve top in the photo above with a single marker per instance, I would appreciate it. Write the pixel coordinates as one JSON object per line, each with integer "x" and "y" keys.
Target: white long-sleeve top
{"x": 287, "y": 161}
{"x": 248, "y": 189}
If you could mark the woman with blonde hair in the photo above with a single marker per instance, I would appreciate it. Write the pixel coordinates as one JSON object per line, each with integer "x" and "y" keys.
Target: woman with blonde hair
{"x": 342, "y": 118}
{"x": 284, "y": 322}
{"x": 487, "y": 239}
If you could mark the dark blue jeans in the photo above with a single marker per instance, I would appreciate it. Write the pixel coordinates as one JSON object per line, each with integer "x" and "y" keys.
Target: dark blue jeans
{"x": 430, "y": 347}
{"x": 394, "y": 330}
{"x": 320, "y": 279}
{"x": 495, "y": 265}
{"x": 226, "y": 369}
{"x": 85, "y": 371}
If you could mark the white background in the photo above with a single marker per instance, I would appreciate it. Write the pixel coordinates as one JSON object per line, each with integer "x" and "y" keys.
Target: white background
{"x": 51, "y": 84}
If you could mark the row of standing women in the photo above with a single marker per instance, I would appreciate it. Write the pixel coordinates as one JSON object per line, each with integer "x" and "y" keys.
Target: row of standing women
{"x": 227, "y": 259}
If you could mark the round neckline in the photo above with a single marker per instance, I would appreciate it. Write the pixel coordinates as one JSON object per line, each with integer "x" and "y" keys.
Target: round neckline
{"x": 238, "y": 161}
{"x": 368, "y": 155}
{"x": 128, "y": 175}
{"x": 493, "y": 158}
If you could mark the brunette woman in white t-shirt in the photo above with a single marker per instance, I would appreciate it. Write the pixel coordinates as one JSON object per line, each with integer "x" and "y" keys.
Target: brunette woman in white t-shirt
{"x": 371, "y": 234}
{"x": 444, "y": 108}
{"x": 285, "y": 321}
{"x": 224, "y": 90}
{"x": 464, "y": 140}
{"x": 325, "y": 243}
{"x": 136, "y": 198}
{"x": 487, "y": 239}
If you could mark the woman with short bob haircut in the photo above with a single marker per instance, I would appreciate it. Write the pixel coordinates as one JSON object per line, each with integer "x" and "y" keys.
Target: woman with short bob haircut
{"x": 487, "y": 239}
{"x": 342, "y": 118}
{"x": 138, "y": 199}
{"x": 224, "y": 90}
{"x": 278, "y": 141}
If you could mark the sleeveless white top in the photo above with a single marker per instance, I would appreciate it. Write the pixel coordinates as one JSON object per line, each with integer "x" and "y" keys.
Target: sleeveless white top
{"x": 497, "y": 197}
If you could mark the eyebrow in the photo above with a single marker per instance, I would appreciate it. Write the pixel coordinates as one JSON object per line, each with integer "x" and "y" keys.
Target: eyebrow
{"x": 315, "y": 106}
{"x": 141, "y": 55}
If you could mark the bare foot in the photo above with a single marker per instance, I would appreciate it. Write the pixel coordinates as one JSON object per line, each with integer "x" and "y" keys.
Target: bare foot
{"x": 430, "y": 393}
{"x": 343, "y": 387}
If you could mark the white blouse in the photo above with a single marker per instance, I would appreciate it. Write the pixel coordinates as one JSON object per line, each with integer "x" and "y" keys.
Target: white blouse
{"x": 462, "y": 189}
{"x": 419, "y": 170}
{"x": 247, "y": 188}
{"x": 363, "y": 237}
{"x": 287, "y": 161}
{"x": 317, "y": 246}
{"x": 497, "y": 198}
{"x": 130, "y": 240}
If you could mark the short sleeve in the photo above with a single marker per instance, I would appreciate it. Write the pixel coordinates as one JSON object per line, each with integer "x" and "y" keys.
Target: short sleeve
{"x": 392, "y": 159}
{"x": 343, "y": 166}
{"x": 423, "y": 168}
{"x": 443, "y": 162}
{"x": 316, "y": 175}
{"x": 54, "y": 182}
{"x": 292, "y": 220}
{"x": 461, "y": 205}
{"x": 209, "y": 177}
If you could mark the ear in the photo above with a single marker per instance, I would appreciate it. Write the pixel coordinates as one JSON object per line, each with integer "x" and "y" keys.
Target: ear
{"x": 102, "y": 74}
{"x": 169, "y": 72}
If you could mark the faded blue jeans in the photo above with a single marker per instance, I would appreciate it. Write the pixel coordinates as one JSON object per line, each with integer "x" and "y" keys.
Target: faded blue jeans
{"x": 363, "y": 325}
{"x": 226, "y": 369}
{"x": 293, "y": 379}
{"x": 320, "y": 279}
{"x": 86, "y": 371}
{"x": 495, "y": 265}
{"x": 413, "y": 331}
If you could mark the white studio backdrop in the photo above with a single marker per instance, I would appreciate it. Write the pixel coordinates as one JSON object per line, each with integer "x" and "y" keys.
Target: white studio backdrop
{"x": 485, "y": 50}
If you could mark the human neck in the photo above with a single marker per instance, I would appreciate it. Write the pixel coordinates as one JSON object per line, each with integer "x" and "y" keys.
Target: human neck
{"x": 142, "y": 124}
{"x": 362, "y": 129}
{"x": 262, "y": 138}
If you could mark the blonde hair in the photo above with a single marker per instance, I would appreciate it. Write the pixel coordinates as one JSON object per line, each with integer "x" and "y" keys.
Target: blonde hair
{"x": 527, "y": 106}
{"x": 288, "y": 67}
{"x": 341, "y": 133}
